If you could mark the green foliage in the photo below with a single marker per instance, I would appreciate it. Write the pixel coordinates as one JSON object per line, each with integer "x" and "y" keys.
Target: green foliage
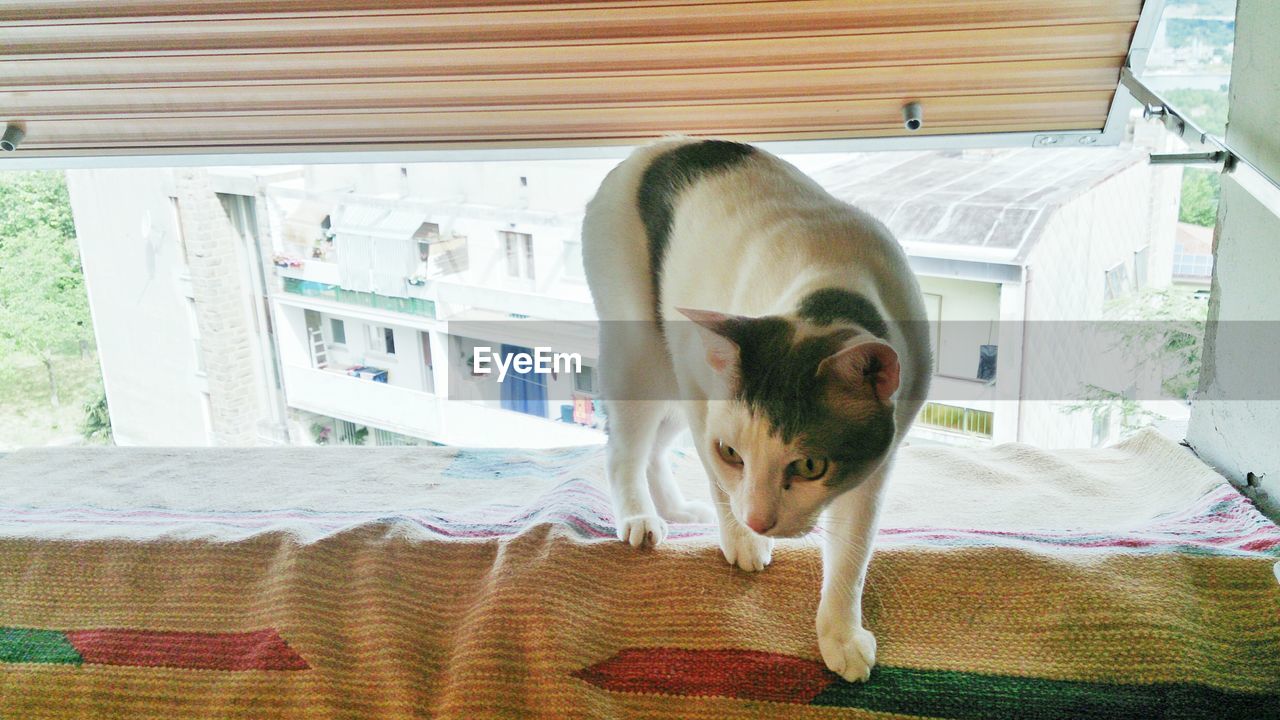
{"x": 30, "y": 200}
{"x": 1201, "y": 191}
{"x": 1168, "y": 324}
{"x": 1095, "y": 399}
{"x": 320, "y": 433}
{"x": 1162, "y": 326}
{"x": 1201, "y": 188}
{"x": 1206, "y": 7}
{"x": 1182, "y": 32}
{"x": 43, "y": 306}
{"x": 96, "y": 426}
{"x": 1208, "y": 108}
{"x": 44, "y": 309}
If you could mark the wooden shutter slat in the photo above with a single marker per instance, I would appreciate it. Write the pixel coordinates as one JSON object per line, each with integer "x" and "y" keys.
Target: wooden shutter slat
{"x": 1109, "y": 41}
{"x": 786, "y": 18}
{"x": 139, "y": 76}
{"x": 1027, "y": 110}
{"x": 774, "y": 86}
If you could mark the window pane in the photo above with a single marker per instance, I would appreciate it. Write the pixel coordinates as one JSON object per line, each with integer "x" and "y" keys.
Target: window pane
{"x": 513, "y": 254}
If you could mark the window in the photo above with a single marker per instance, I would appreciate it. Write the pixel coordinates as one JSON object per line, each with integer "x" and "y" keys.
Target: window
{"x": 585, "y": 381}
{"x": 987, "y": 362}
{"x": 176, "y": 213}
{"x": 338, "y": 330}
{"x": 1101, "y": 426}
{"x": 519, "y": 252}
{"x": 206, "y": 408}
{"x": 382, "y": 340}
{"x": 1117, "y": 283}
{"x": 573, "y": 269}
{"x": 195, "y": 336}
{"x": 1141, "y": 259}
{"x": 1190, "y": 264}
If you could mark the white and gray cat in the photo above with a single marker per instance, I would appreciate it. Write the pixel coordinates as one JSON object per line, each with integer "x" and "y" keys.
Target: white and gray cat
{"x": 785, "y": 328}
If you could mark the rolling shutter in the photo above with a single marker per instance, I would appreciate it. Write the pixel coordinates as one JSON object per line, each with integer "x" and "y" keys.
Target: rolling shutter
{"x": 93, "y": 78}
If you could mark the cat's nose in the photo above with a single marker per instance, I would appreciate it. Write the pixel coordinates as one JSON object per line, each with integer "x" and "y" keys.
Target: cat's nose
{"x": 761, "y": 524}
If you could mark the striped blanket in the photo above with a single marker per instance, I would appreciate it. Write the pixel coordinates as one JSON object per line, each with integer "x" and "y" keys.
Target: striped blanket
{"x": 404, "y": 583}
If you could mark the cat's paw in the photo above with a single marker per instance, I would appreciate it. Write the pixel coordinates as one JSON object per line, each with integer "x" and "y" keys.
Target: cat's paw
{"x": 747, "y": 550}
{"x": 639, "y": 530}
{"x": 848, "y": 650}
{"x": 690, "y": 511}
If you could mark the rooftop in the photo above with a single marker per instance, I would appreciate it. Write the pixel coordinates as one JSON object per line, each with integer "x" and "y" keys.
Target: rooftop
{"x": 986, "y": 205}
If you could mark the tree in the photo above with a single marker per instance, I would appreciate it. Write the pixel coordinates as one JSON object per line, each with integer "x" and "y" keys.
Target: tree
{"x": 1201, "y": 188}
{"x": 30, "y": 200}
{"x": 1164, "y": 326}
{"x": 97, "y": 419}
{"x": 44, "y": 310}
{"x": 1201, "y": 191}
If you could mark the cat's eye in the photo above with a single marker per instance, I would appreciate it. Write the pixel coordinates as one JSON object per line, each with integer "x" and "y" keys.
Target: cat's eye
{"x": 809, "y": 468}
{"x": 728, "y": 454}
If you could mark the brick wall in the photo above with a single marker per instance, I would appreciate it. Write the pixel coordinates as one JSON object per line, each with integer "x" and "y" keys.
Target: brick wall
{"x": 222, "y": 310}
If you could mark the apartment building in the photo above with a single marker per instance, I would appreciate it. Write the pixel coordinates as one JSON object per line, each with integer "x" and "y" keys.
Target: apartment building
{"x": 349, "y": 304}
{"x": 1017, "y": 253}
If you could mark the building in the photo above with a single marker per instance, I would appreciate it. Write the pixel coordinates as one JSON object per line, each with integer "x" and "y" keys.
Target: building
{"x": 348, "y": 304}
{"x": 1016, "y": 250}
{"x": 384, "y": 296}
{"x": 1193, "y": 259}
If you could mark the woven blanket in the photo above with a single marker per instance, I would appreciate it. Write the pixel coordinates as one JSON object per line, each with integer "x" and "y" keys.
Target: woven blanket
{"x": 408, "y": 583}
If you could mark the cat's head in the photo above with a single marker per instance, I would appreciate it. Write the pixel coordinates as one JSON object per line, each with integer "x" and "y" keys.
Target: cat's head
{"x": 805, "y": 413}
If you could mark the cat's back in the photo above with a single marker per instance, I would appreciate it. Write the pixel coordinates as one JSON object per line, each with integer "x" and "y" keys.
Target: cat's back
{"x": 626, "y": 231}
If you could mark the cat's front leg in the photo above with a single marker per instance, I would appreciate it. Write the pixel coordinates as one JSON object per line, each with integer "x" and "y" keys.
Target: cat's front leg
{"x": 848, "y": 648}
{"x": 740, "y": 546}
{"x": 632, "y": 427}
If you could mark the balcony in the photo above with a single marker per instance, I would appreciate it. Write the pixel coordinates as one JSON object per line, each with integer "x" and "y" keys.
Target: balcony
{"x": 410, "y": 412}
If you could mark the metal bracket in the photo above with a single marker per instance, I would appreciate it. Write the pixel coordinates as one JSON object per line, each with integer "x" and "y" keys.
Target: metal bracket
{"x": 1213, "y": 157}
{"x": 1210, "y": 148}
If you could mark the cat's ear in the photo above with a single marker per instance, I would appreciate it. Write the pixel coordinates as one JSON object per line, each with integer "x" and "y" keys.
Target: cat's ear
{"x": 722, "y": 353}
{"x": 867, "y": 365}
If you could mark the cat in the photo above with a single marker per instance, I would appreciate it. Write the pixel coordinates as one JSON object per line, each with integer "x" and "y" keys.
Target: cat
{"x": 785, "y": 329}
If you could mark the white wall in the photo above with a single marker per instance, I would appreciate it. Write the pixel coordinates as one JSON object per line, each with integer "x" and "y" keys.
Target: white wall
{"x": 1066, "y": 278}
{"x": 133, "y": 270}
{"x": 1237, "y": 435}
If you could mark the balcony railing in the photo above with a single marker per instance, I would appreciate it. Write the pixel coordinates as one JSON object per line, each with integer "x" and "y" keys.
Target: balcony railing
{"x": 423, "y": 415}
{"x": 408, "y": 305}
{"x": 963, "y": 420}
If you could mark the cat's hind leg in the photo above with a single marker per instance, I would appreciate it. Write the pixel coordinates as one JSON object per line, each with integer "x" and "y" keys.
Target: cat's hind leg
{"x": 667, "y": 497}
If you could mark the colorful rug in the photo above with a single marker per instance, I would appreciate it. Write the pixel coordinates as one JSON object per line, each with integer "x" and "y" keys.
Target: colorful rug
{"x": 1117, "y": 583}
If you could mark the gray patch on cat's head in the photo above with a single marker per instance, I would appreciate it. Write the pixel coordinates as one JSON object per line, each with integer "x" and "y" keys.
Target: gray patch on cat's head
{"x": 778, "y": 378}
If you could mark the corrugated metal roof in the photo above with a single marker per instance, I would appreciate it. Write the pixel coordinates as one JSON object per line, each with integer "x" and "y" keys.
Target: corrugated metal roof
{"x": 375, "y": 221}
{"x": 992, "y": 203}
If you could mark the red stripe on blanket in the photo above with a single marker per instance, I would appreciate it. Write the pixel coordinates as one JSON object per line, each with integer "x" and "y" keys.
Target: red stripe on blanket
{"x": 744, "y": 674}
{"x": 256, "y": 650}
